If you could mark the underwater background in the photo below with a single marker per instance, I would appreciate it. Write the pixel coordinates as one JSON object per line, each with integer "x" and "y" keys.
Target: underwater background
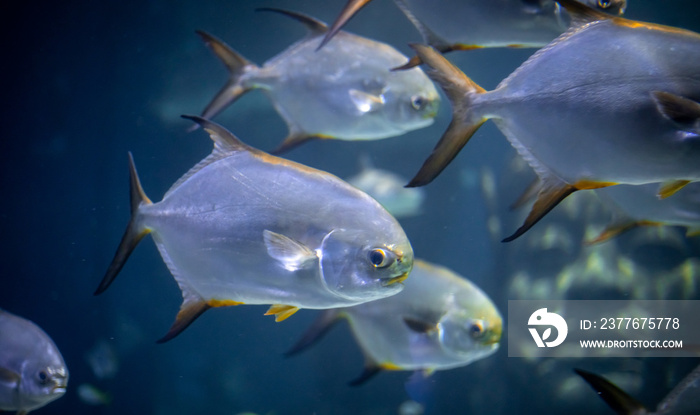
{"x": 86, "y": 82}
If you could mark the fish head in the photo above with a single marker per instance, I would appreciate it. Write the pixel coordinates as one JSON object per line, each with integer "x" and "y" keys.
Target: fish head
{"x": 410, "y": 100}
{"x": 361, "y": 266}
{"x": 43, "y": 381}
{"x": 470, "y": 329}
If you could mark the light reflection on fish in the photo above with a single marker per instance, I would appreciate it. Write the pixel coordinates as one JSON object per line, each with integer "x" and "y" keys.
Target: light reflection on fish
{"x": 32, "y": 370}
{"x": 469, "y": 24}
{"x": 683, "y": 399}
{"x": 580, "y": 123}
{"x": 244, "y": 227}
{"x": 439, "y": 321}
{"x": 635, "y": 206}
{"x": 388, "y": 189}
{"x": 345, "y": 91}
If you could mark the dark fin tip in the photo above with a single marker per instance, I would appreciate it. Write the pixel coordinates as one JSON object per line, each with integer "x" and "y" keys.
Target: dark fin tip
{"x": 367, "y": 374}
{"x": 313, "y": 334}
{"x": 412, "y": 63}
{"x": 546, "y": 201}
{"x": 187, "y": 315}
{"x": 616, "y": 398}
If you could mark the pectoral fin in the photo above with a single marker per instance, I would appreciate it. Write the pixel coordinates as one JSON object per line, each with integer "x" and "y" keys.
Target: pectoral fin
{"x": 420, "y": 326}
{"x": 365, "y": 102}
{"x": 618, "y": 400}
{"x": 281, "y": 311}
{"x": 292, "y": 255}
{"x": 670, "y": 188}
{"x": 676, "y": 108}
{"x": 9, "y": 378}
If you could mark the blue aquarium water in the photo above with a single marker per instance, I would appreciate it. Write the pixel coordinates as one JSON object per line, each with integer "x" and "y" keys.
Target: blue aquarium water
{"x": 87, "y": 82}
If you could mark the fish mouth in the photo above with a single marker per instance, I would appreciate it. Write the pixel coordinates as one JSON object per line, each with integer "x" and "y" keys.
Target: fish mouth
{"x": 58, "y": 389}
{"x": 392, "y": 281}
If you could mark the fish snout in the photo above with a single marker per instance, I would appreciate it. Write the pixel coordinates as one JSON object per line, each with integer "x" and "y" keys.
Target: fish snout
{"x": 391, "y": 281}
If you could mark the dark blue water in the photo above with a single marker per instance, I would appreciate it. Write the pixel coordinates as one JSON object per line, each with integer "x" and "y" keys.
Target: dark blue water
{"x": 85, "y": 82}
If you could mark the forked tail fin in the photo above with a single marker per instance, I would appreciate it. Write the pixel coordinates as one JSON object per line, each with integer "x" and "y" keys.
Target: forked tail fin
{"x": 135, "y": 231}
{"x": 459, "y": 89}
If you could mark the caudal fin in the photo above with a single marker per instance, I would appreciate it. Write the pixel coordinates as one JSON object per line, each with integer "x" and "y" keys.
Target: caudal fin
{"x": 458, "y": 88}
{"x": 236, "y": 65}
{"x": 134, "y": 230}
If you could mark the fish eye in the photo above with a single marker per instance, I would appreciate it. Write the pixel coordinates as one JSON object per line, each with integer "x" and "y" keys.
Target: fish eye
{"x": 604, "y": 4}
{"x": 43, "y": 377}
{"x": 378, "y": 258}
{"x": 418, "y": 102}
{"x": 476, "y": 330}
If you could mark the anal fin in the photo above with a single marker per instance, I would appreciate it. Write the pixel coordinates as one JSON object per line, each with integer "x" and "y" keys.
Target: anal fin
{"x": 670, "y": 187}
{"x": 318, "y": 329}
{"x": 189, "y": 311}
{"x": 281, "y": 311}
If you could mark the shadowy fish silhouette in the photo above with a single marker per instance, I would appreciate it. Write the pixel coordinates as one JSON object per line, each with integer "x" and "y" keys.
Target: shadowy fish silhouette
{"x": 439, "y": 321}
{"x": 244, "y": 227}
{"x": 611, "y": 101}
{"x": 32, "y": 370}
{"x": 344, "y": 92}
{"x": 449, "y": 25}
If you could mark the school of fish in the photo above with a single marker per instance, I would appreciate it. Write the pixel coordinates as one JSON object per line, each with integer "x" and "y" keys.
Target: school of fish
{"x": 245, "y": 227}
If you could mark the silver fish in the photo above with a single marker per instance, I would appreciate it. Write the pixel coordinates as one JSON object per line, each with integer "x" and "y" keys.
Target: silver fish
{"x": 451, "y": 25}
{"x": 32, "y": 370}
{"x": 439, "y": 321}
{"x": 683, "y": 399}
{"x": 344, "y": 92}
{"x": 244, "y": 227}
{"x": 579, "y": 129}
{"x": 388, "y": 189}
{"x": 635, "y": 206}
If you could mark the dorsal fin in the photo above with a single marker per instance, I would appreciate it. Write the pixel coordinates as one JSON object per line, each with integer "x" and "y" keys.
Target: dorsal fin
{"x": 350, "y": 9}
{"x": 316, "y": 27}
{"x": 223, "y": 139}
{"x": 581, "y": 13}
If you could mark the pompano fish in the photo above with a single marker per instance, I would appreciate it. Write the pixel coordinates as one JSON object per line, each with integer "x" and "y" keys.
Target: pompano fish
{"x": 439, "y": 321}
{"x": 470, "y": 24}
{"x": 683, "y": 399}
{"x": 244, "y": 227}
{"x": 32, "y": 370}
{"x": 388, "y": 189}
{"x": 611, "y": 101}
{"x": 635, "y": 206}
{"x": 345, "y": 92}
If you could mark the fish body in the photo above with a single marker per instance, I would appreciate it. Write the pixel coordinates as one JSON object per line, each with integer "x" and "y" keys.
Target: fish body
{"x": 388, "y": 189}
{"x": 634, "y": 206}
{"x": 439, "y": 321}
{"x": 345, "y": 91}
{"x": 244, "y": 227}
{"x": 32, "y": 370}
{"x": 611, "y": 101}
{"x": 469, "y": 24}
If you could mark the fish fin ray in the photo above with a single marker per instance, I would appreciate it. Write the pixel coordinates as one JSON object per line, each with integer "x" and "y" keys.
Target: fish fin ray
{"x": 291, "y": 254}
{"x": 315, "y": 332}
{"x": 612, "y": 231}
{"x": 135, "y": 231}
{"x": 237, "y": 66}
{"x": 458, "y": 87}
{"x": 618, "y": 400}
{"x": 350, "y": 9}
{"x": 528, "y": 195}
{"x": 551, "y": 193}
{"x": 315, "y": 26}
{"x": 678, "y": 109}
{"x": 669, "y": 188}
{"x": 281, "y": 311}
{"x": 192, "y": 307}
